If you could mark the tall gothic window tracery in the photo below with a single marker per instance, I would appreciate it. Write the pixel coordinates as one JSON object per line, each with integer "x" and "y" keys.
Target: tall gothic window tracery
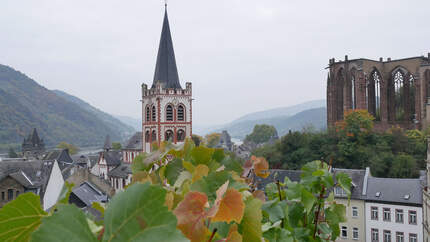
{"x": 339, "y": 94}
{"x": 154, "y": 114}
{"x": 353, "y": 95}
{"x": 169, "y": 113}
{"x": 148, "y": 114}
{"x": 399, "y": 93}
{"x": 147, "y": 136}
{"x": 181, "y": 113}
{"x": 374, "y": 95}
{"x": 411, "y": 98}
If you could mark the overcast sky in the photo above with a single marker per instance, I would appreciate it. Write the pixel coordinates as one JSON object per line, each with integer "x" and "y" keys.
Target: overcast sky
{"x": 241, "y": 55}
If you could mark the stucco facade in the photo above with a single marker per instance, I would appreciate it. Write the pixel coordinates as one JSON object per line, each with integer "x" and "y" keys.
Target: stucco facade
{"x": 356, "y": 219}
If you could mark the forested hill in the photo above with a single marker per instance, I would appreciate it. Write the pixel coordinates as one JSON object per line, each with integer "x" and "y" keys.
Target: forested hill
{"x": 24, "y": 104}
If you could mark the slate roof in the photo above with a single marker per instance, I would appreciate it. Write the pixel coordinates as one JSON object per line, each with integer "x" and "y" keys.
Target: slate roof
{"x": 357, "y": 177}
{"x": 275, "y": 174}
{"x": 31, "y": 174}
{"x": 112, "y": 157}
{"x": 108, "y": 143}
{"x": 135, "y": 142}
{"x": 394, "y": 190}
{"x": 88, "y": 194}
{"x": 121, "y": 171}
{"x": 166, "y": 71}
{"x": 62, "y": 156}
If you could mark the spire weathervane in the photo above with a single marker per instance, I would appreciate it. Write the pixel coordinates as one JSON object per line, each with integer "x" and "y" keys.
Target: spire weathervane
{"x": 165, "y": 4}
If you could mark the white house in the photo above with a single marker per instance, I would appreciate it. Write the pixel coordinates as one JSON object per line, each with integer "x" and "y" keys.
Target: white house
{"x": 394, "y": 210}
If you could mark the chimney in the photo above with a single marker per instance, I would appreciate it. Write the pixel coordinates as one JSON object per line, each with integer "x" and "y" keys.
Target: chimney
{"x": 389, "y": 59}
{"x": 428, "y": 55}
{"x": 346, "y": 57}
{"x": 381, "y": 59}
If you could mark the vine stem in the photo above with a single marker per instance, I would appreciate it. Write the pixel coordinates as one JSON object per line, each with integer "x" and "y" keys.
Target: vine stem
{"x": 213, "y": 234}
{"x": 318, "y": 211}
{"x": 279, "y": 190}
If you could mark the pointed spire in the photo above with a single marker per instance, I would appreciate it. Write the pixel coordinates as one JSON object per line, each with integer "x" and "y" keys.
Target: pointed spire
{"x": 35, "y": 137}
{"x": 166, "y": 71}
{"x": 108, "y": 143}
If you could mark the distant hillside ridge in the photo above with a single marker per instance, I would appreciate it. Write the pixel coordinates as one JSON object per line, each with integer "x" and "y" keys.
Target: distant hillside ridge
{"x": 315, "y": 117}
{"x": 283, "y": 111}
{"x": 136, "y": 123}
{"x": 24, "y": 105}
{"x": 125, "y": 129}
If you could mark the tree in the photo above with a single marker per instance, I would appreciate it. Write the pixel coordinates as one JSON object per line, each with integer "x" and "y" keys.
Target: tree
{"x": 212, "y": 139}
{"x": 116, "y": 146}
{"x": 197, "y": 139}
{"x": 262, "y": 133}
{"x": 72, "y": 149}
{"x": 12, "y": 153}
{"x": 404, "y": 166}
{"x": 192, "y": 194}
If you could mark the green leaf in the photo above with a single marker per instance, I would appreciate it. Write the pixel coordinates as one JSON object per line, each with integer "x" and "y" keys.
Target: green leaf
{"x": 65, "y": 193}
{"x": 271, "y": 191}
{"x": 20, "y": 217}
{"x": 68, "y": 223}
{"x": 173, "y": 170}
{"x": 232, "y": 165}
{"x": 201, "y": 155}
{"x": 308, "y": 200}
{"x": 210, "y": 183}
{"x": 274, "y": 210}
{"x": 344, "y": 181}
{"x": 218, "y": 155}
{"x": 278, "y": 235}
{"x": 139, "y": 214}
{"x": 250, "y": 227}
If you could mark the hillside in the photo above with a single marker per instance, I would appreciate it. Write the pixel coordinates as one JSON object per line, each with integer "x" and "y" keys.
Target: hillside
{"x": 130, "y": 121}
{"x": 315, "y": 117}
{"x": 24, "y": 104}
{"x": 110, "y": 120}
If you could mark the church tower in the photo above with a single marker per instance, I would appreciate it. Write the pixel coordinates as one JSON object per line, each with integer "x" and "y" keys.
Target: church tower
{"x": 166, "y": 106}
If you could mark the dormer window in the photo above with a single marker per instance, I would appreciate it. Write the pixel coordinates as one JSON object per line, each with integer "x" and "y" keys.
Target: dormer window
{"x": 338, "y": 191}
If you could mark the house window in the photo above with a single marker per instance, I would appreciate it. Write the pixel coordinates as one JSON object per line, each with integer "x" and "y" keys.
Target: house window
{"x": 154, "y": 114}
{"x": 400, "y": 237}
{"x": 2, "y": 196}
{"x": 375, "y": 235}
{"x": 374, "y": 213}
{"x": 399, "y": 215}
{"x": 180, "y": 135}
{"x": 169, "y": 113}
{"x": 9, "y": 194}
{"x": 412, "y": 217}
{"x": 168, "y": 136}
{"x": 147, "y": 136}
{"x": 338, "y": 191}
{"x": 387, "y": 214}
{"x": 181, "y": 115}
{"x": 413, "y": 238}
{"x": 344, "y": 232}
{"x": 387, "y": 236}
{"x": 354, "y": 212}
{"x": 355, "y": 233}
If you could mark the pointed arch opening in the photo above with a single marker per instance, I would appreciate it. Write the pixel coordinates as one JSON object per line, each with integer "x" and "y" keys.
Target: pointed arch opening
{"x": 148, "y": 114}
{"x": 181, "y": 113}
{"x": 374, "y": 94}
{"x": 169, "y": 113}
{"x": 147, "y": 136}
{"x": 153, "y": 136}
{"x": 168, "y": 136}
{"x": 180, "y": 135}
{"x": 154, "y": 114}
{"x": 340, "y": 82}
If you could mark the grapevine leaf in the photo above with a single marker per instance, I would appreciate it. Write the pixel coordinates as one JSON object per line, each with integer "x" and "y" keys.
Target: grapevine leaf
{"x": 247, "y": 167}
{"x": 259, "y": 194}
{"x": 231, "y": 207}
{"x": 274, "y": 210}
{"x": 173, "y": 169}
{"x": 201, "y": 155}
{"x": 199, "y": 172}
{"x": 68, "y": 219}
{"x": 308, "y": 200}
{"x": 99, "y": 208}
{"x": 261, "y": 167}
{"x": 250, "y": 227}
{"x": 344, "y": 181}
{"x": 218, "y": 155}
{"x": 139, "y": 214}
{"x": 63, "y": 198}
{"x": 278, "y": 235}
{"x": 232, "y": 165}
{"x": 188, "y": 166}
{"x": 210, "y": 183}
{"x": 233, "y": 235}
{"x": 20, "y": 217}
{"x": 191, "y": 215}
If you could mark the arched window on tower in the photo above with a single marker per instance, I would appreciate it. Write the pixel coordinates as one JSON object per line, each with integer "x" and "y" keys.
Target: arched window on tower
{"x": 147, "y": 136}
{"x": 154, "y": 114}
{"x": 169, "y": 113}
{"x": 340, "y": 83}
{"x": 148, "y": 114}
{"x": 180, "y": 135}
{"x": 168, "y": 136}
{"x": 374, "y": 95}
{"x": 181, "y": 113}
{"x": 353, "y": 96}
{"x": 427, "y": 81}
{"x": 399, "y": 92}
{"x": 154, "y": 136}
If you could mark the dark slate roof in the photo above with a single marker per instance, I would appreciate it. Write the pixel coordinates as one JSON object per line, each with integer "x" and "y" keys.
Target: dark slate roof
{"x": 108, "y": 143}
{"x": 394, "y": 190}
{"x": 166, "y": 71}
{"x": 275, "y": 174}
{"x": 112, "y": 157}
{"x": 62, "y": 156}
{"x": 357, "y": 177}
{"x": 135, "y": 142}
{"x": 88, "y": 194}
{"x": 30, "y": 174}
{"x": 121, "y": 171}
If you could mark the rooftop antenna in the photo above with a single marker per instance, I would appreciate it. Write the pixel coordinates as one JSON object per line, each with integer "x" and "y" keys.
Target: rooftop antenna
{"x": 165, "y": 4}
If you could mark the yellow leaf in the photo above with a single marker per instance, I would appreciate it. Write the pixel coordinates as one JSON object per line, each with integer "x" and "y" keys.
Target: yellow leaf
{"x": 169, "y": 200}
{"x": 233, "y": 235}
{"x": 261, "y": 167}
{"x": 259, "y": 194}
{"x": 219, "y": 195}
{"x": 188, "y": 166}
{"x": 199, "y": 172}
{"x": 231, "y": 207}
